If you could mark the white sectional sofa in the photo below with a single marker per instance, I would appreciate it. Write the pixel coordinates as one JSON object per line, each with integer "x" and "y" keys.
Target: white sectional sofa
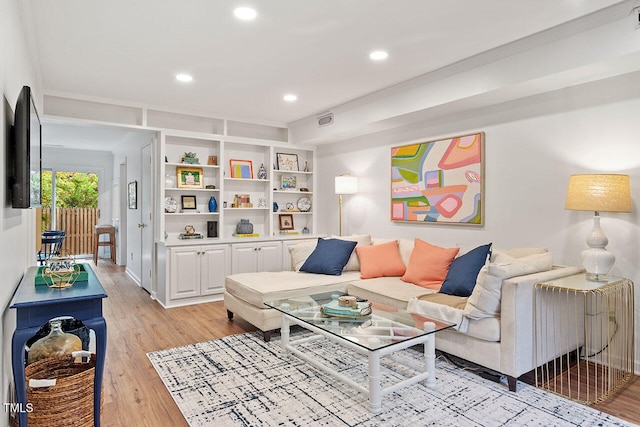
{"x": 500, "y": 338}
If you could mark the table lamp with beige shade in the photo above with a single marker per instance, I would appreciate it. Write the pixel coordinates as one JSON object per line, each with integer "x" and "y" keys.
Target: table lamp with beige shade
{"x": 598, "y": 193}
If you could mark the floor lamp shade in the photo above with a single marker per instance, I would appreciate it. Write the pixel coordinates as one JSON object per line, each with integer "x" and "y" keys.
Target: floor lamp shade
{"x": 345, "y": 184}
{"x": 598, "y": 193}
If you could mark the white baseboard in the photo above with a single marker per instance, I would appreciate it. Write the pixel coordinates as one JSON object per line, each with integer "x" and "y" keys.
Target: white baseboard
{"x": 133, "y": 277}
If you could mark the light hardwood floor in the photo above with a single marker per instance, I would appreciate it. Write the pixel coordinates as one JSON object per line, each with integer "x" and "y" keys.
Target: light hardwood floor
{"x": 134, "y": 395}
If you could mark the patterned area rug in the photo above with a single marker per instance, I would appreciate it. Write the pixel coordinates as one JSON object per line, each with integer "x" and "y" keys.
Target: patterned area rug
{"x": 242, "y": 381}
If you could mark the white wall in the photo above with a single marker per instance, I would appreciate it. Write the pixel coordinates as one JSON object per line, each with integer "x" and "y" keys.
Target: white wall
{"x": 532, "y": 146}
{"x": 17, "y": 227}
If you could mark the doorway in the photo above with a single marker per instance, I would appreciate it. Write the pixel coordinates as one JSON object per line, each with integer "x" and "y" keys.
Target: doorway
{"x": 70, "y": 204}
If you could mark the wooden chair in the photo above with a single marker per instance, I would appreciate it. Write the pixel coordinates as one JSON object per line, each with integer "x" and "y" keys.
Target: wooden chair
{"x": 51, "y": 245}
{"x": 110, "y": 230}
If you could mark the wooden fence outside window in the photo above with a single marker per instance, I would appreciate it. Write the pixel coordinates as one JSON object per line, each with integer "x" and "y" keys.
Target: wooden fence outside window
{"x": 78, "y": 223}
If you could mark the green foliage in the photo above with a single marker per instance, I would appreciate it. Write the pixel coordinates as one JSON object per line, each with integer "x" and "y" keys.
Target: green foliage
{"x": 46, "y": 189}
{"x": 73, "y": 190}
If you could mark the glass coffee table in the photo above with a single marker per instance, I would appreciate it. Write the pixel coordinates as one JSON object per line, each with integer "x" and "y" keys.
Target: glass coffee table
{"x": 383, "y": 332}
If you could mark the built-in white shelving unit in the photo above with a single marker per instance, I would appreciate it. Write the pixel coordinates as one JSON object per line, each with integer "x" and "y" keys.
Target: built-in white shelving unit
{"x": 288, "y": 192}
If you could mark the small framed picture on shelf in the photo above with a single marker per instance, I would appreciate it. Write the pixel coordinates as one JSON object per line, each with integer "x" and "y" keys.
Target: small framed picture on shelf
{"x": 189, "y": 177}
{"x": 188, "y": 202}
{"x": 241, "y": 168}
{"x": 286, "y": 221}
{"x": 287, "y": 162}
{"x": 133, "y": 195}
{"x": 288, "y": 182}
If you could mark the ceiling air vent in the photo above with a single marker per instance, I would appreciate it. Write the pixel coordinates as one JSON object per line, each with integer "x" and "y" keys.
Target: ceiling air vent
{"x": 325, "y": 119}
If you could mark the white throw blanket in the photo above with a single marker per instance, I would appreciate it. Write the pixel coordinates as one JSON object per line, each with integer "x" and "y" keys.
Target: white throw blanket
{"x": 440, "y": 312}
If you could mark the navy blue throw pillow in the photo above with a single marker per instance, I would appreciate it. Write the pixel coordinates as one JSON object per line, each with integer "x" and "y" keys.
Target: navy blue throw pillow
{"x": 329, "y": 257}
{"x": 464, "y": 270}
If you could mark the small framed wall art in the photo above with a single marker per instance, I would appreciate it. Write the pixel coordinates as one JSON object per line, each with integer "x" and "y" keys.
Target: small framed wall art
{"x": 287, "y": 162}
{"x": 188, "y": 202}
{"x": 286, "y": 221}
{"x": 288, "y": 182}
{"x": 439, "y": 182}
{"x": 241, "y": 168}
{"x": 133, "y": 195}
{"x": 189, "y": 177}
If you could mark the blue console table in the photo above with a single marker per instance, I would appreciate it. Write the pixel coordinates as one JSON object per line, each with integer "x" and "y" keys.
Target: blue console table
{"x": 36, "y": 305}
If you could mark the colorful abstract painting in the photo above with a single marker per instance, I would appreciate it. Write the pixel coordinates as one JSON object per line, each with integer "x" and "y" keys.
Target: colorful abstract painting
{"x": 439, "y": 182}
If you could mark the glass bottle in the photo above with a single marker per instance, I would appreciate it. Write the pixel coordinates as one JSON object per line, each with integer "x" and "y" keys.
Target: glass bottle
{"x": 57, "y": 343}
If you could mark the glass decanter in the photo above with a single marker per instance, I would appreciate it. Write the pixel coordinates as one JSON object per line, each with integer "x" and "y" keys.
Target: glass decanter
{"x": 57, "y": 343}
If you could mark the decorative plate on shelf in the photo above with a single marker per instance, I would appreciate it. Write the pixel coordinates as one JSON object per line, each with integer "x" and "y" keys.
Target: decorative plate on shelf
{"x": 304, "y": 204}
{"x": 170, "y": 204}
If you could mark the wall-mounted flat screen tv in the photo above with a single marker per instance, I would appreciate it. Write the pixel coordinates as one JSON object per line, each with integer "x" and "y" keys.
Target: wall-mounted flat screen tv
{"x": 26, "y": 153}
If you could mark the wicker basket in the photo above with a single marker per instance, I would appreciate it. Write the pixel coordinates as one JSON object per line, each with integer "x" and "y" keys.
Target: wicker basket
{"x": 69, "y": 403}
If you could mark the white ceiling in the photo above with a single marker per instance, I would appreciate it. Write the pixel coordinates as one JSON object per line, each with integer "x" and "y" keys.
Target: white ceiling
{"x": 131, "y": 50}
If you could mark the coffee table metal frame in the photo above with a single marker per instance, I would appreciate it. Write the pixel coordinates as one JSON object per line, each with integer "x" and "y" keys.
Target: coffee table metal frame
{"x": 374, "y": 391}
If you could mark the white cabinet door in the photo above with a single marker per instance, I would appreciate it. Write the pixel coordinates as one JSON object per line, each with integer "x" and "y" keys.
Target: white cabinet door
{"x": 215, "y": 266}
{"x": 257, "y": 256}
{"x": 244, "y": 258}
{"x": 269, "y": 256}
{"x": 185, "y": 272}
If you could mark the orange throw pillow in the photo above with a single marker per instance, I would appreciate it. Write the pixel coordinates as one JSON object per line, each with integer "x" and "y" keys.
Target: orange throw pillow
{"x": 429, "y": 264}
{"x": 380, "y": 260}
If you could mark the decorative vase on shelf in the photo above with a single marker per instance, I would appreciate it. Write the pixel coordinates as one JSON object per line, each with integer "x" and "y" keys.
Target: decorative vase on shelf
{"x": 275, "y": 206}
{"x": 213, "y": 204}
{"x": 262, "y": 172}
{"x": 306, "y": 167}
{"x": 169, "y": 181}
{"x": 244, "y": 227}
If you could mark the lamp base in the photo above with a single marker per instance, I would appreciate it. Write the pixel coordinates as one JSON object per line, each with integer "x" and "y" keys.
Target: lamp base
{"x": 597, "y": 262}
{"x": 593, "y": 277}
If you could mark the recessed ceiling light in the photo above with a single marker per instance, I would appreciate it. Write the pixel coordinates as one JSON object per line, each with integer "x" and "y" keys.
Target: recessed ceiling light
{"x": 245, "y": 13}
{"x": 184, "y": 77}
{"x": 378, "y": 55}
{"x": 290, "y": 97}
